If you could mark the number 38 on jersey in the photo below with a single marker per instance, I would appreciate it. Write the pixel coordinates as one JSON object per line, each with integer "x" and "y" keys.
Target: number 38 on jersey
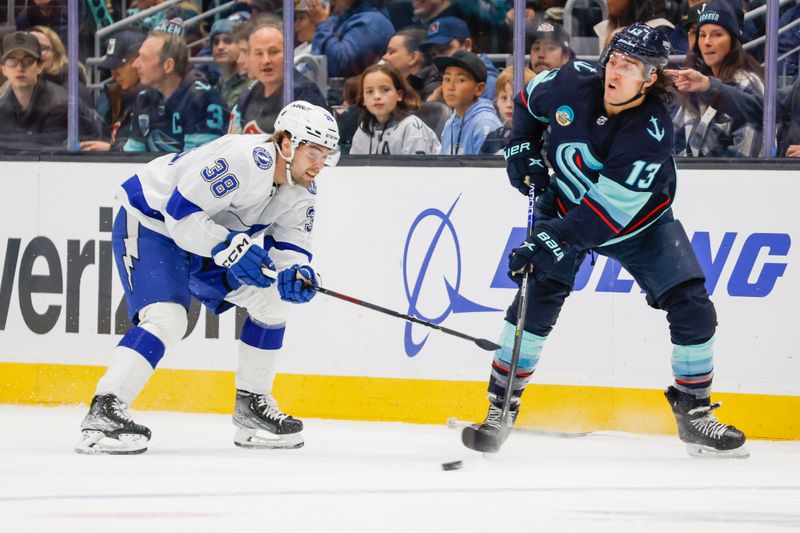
{"x": 222, "y": 182}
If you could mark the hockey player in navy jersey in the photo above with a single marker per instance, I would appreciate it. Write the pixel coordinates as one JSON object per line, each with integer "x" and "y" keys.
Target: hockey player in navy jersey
{"x": 611, "y": 191}
{"x": 203, "y": 223}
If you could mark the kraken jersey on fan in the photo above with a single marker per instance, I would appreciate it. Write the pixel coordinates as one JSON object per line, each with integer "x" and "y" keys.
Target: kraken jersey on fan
{"x": 618, "y": 183}
{"x": 192, "y": 116}
{"x": 197, "y": 197}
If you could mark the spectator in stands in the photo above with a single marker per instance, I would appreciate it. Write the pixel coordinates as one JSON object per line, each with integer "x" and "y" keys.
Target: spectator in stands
{"x": 242, "y": 37}
{"x": 486, "y": 20}
{"x": 115, "y": 103}
{"x": 33, "y": 111}
{"x": 184, "y": 11}
{"x": 702, "y": 130}
{"x": 258, "y": 105}
{"x": 55, "y": 61}
{"x": 625, "y": 12}
{"x": 226, "y": 54}
{"x": 448, "y": 35}
{"x": 473, "y": 118}
{"x": 504, "y": 88}
{"x": 405, "y": 55}
{"x": 50, "y": 13}
{"x": 352, "y": 38}
{"x": 683, "y": 35}
{"x": 387, "y": 124}
{"x": 304, "y": 27}
{"x": 178, "y": 110}
{"x": 348, "y": 113}
{"x": 549, "y": 46}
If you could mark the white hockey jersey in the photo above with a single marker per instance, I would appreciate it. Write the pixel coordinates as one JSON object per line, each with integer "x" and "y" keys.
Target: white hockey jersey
{"x": 410, "y": 136}
{"x": 197, "y": 197}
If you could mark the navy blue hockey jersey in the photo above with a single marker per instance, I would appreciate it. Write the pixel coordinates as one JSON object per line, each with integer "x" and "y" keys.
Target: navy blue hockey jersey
{"x": 192, "y": 115}
{"x": 614, "y": 176}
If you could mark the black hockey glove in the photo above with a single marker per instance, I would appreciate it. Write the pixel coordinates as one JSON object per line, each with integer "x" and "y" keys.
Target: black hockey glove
{"x": 524, "y": 160}
{"x": 539, "y": 254}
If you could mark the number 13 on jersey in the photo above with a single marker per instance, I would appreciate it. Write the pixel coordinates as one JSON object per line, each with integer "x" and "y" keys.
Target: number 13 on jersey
{"x": 638, "y": 166}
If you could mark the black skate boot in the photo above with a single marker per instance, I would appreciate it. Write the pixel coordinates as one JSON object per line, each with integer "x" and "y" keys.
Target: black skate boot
{"x": 489, "y": 436}
{"x": 109, "y": 429}
{"x": 704, "y": 435}
{"x": 262, "y": 425}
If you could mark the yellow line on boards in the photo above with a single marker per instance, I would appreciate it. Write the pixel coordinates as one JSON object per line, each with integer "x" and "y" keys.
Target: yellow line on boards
{"x": 558, "y": 407}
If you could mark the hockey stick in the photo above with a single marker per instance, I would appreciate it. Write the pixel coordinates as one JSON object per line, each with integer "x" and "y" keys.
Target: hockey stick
{"x": 455, "y": 423}
{"x": 482, "y": 343}
{"x": 505, "y": 418}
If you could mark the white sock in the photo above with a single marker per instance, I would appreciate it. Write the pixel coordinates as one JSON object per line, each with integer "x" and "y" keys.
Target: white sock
{"x": 126, "y": 376}
{"x": 256, "y": 370}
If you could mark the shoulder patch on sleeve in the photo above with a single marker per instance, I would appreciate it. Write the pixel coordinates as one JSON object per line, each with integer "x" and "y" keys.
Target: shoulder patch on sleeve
{"x": 262, "y": 158}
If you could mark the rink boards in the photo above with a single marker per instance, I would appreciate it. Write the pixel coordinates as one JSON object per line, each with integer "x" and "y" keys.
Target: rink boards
{"x": 430, "y": 242}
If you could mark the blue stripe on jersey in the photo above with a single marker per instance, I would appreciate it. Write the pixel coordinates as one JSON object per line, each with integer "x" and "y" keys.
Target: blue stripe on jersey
{"x": 133, "y": 189}
{"x": 577, "y": 183}
{"x": 262, "y": 336}
{"x": 542, "y": 77}
{"x": 178, "y": 207}
{"x": 145, "y": 344}
{"x": 620, "y": 203}
{"x": 270, "y": 242}
{"x": 193, "y": 140}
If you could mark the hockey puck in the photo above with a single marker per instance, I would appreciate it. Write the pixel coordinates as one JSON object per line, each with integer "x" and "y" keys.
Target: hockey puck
{"x": 455, "y": 465}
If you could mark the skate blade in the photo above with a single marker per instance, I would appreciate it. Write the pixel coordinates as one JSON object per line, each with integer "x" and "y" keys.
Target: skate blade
{"x": 260, "y": 439}
{"x": 97, "y": 443}
{"x": 480, "y": 441}
{"x": 698, "y": 451}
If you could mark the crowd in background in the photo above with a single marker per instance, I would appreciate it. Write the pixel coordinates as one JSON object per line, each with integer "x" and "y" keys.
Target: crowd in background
{"x": 402, "y": 76}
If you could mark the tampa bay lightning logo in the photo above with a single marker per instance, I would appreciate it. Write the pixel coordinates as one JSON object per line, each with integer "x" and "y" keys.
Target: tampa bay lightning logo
{"x": 441, "y": 253}
{"x": 262, "y": 158}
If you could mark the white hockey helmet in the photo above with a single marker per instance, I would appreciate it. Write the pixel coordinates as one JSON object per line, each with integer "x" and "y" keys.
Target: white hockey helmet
{"x": 307, "y": 123}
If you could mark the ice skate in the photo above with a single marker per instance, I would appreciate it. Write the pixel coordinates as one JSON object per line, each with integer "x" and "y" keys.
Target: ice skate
{"x": 262, "y": 425}
{"x": 109, "y": 429}
{"x": 489, "y": 436}
{"x": 704, "y": 435}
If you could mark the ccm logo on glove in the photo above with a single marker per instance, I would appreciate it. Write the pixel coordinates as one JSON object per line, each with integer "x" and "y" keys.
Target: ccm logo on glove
{"x": 233, "y": 252}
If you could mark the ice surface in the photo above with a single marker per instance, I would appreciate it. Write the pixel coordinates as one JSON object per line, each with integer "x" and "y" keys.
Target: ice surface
{"x": 381, "y": 477}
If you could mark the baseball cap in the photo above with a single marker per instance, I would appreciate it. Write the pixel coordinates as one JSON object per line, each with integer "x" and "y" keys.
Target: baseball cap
{"x": 121, "y": 47}
{"x": 302, "y": 5}
{"x": 542, "y": 30}
{"x": 21, "y": 40}
{"x": 466, "y": 60}
{"x": 445, "y": 29}
{"x": 691, "y": 15}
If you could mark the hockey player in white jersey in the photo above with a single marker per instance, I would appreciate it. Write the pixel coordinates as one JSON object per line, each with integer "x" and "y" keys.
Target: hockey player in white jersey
{"x": 203, "y": 223}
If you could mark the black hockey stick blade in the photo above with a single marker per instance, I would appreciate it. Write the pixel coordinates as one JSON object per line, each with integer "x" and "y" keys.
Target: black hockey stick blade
{"x": 474, "y": 438}
{"x": 455, "y": 423}
{"x": 484, "y": 344}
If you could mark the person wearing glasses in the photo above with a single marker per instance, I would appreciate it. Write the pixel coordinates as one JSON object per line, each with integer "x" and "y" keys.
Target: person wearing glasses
{"x": 33, "y": 111}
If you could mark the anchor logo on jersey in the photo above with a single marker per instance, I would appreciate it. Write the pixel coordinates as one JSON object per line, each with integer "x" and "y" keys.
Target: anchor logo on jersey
{"x": 144, "y": 124}
{"x": 655, "y": 133}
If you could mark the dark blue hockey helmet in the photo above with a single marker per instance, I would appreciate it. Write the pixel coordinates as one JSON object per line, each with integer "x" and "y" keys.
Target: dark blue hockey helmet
{"x": 640, "y": 41}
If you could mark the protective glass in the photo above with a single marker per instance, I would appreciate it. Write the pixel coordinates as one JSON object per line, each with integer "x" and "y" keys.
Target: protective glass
{"x": 626, "y": 66}
{"x": 318, "y": 155}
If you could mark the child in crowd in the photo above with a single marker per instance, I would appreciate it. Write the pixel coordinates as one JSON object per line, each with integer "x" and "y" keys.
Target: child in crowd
{"x": 473, "y": 118}
{"x": 387, "y": 125}
{"x": 504, "y": 89}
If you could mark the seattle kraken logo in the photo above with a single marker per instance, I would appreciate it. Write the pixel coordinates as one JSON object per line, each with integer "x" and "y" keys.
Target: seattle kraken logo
{"x": 438, "y": 252}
